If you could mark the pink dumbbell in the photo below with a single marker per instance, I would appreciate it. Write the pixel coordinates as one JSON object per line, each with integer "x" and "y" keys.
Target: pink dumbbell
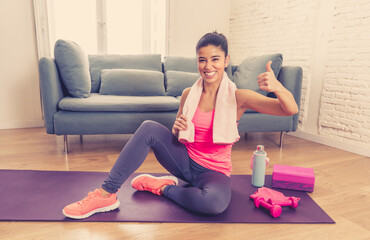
{"x": 275, "y": 210}
{"x": 291, "y": 202}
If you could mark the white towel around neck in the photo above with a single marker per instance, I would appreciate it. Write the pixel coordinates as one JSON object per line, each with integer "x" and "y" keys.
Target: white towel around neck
{"x": 225, "y": 130}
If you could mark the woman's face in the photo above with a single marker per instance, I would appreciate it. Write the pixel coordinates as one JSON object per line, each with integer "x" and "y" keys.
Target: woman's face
{"x": 212, "y": 63}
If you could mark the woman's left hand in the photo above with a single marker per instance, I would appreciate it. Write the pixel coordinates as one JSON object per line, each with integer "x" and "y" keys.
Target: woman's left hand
{"x": 267, "y": 80}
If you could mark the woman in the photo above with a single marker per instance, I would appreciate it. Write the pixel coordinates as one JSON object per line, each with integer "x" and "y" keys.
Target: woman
{"x": 195, "y": 151}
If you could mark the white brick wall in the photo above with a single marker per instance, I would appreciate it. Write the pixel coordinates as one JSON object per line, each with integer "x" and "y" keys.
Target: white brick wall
{"x": 345, "y": 108}
{"x": 295, "y": 28}
{"x": 262, "y": 27}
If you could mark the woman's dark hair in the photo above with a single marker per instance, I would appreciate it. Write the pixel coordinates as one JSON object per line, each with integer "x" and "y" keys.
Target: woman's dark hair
{"x": 216, "y": 39}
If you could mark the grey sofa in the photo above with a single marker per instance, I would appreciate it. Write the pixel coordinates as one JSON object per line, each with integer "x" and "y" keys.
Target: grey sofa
{"x": 126, "y": 90}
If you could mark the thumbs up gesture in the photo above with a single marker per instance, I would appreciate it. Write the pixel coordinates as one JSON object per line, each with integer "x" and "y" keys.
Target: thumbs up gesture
{"x": 267, "y": 80}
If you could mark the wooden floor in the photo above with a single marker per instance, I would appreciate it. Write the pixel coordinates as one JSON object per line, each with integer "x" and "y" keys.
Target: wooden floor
{"x": 342, "y": 188}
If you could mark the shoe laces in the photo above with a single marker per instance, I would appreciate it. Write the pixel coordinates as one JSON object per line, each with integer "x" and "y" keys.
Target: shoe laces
{"x": 88, "y": 198}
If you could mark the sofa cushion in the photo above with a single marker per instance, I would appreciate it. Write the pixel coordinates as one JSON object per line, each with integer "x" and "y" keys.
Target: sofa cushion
{"x": 245, "y": 76}
{"x": 111, "y": 103}
{"x": 132, "y": 82}
{"x": 177, "y": 81}
{"x": 183, "y": 64}
{"x": 140, "y": 61}
{"x": 73, "y": 66}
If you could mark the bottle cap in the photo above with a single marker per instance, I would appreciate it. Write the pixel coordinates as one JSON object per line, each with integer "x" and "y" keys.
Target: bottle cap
{"x": 260, "y": 147}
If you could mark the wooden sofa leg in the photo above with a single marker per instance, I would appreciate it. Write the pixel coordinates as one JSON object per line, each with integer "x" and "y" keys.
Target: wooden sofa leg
{"x": 281, "y": 140}
{"x": 65, "y": 144}
{"x": 81, "y": 139}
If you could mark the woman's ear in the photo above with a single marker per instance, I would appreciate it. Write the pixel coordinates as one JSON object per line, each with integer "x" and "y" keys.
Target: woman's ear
{"x": 227, "y": 60}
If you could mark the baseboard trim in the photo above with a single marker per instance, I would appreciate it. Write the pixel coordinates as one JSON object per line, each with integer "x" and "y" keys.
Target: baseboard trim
{"x": 21, "y": 124}
{"x": 360, "y": 149}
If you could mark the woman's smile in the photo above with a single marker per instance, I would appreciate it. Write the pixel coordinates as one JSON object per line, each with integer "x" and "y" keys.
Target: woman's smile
{"x": 210, "y": 74}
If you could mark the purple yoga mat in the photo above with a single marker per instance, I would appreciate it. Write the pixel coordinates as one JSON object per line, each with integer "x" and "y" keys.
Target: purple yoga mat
{"x": 28, "y": 195}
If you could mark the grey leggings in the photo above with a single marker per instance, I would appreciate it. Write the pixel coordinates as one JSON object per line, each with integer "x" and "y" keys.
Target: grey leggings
{"x": 208, "y": 192}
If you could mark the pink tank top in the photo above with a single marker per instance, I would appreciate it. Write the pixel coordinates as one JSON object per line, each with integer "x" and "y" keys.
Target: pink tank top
{"x": 203, "y": 151}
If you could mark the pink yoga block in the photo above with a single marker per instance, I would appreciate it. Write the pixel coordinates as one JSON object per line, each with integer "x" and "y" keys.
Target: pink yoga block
{"x": 296, "y": 178}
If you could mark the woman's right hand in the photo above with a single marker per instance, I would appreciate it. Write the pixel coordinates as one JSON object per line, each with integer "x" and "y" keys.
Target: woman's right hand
{"x": 180, "y": 124}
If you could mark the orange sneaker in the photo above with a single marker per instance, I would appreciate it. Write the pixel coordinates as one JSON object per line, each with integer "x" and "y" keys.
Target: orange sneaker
{"x": 92, "y": 203}
{"x": 147, "y": 182}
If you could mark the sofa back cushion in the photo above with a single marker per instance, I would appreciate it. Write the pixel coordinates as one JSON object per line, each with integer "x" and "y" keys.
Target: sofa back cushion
{"x": 183, "y": 64}
{"x": 245, "y": 76}
{"x": 177, "y": 81}
{"x": 132, "y": 82}
{"x": 73, "y": 66}
{"x": 99, "y": 62}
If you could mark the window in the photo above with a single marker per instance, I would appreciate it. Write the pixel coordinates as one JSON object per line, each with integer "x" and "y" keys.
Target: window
{"x": 74, "y": 20}
{"x": 102, "y": 26}
{"x": 123, "y": 32}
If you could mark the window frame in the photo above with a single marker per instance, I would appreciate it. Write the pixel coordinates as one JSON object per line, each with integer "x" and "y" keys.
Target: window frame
{"x": 43, "y": 11}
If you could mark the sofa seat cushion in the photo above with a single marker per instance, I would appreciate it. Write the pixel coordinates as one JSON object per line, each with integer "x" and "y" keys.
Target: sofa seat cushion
{"x": 259, "y": 122}
{"x": 111, "y": 103}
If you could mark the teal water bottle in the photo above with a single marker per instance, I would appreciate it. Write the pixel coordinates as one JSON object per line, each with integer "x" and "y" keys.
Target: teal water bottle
{"x": 259, "y": 166}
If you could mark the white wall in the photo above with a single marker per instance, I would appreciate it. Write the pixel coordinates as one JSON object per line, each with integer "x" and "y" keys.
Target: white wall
{"x": 20, "y": 105}
{"x": 191, "y": 19}
{"x": 330, "y": 41}
{"x": 345, "y": 100}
